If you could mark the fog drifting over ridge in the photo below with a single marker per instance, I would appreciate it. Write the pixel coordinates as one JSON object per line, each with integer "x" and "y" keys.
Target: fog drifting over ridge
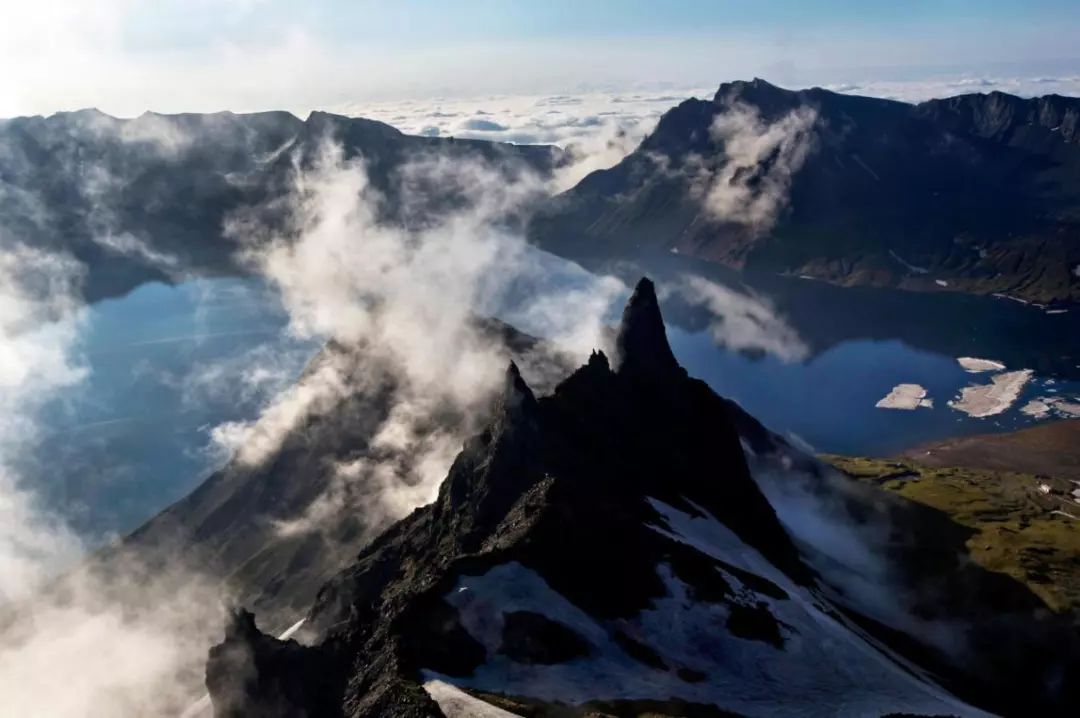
{"x": 408, "y": 295}
{"x": 142, "y": 628}
{"x": 139, "y": 646}
{"x": 408, "y": 298}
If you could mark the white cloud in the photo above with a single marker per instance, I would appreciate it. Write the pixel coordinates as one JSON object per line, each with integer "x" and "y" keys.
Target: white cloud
{"x": 920, "y": 90}
{"x": 749, "y": 180}
{"x": 38, "y": 329}
{"x": 129, "y": 645}
{"x": 596, "y": 128}
{"x": 93, "y": 646}
{"x": 128, "y": 56}
{"x": 317, "y": 391}
{"x": 127, "y": 244}
{"x": 405, "y": 300}
{"x": 743, "y": 321}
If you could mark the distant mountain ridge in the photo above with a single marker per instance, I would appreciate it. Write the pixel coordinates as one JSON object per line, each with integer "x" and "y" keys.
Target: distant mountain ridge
{"x": 976, "y": 193}
{"x": 137, "y": 199}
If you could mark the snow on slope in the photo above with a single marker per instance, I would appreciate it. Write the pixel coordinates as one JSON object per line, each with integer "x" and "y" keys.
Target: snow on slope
{"x": 825, "y": 667}
{"x": 456, "y": 703}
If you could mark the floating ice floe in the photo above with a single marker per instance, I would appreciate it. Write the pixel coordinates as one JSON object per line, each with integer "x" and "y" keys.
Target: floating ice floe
{"x": 1045, "y": 406}
{"x": 941, "y": 282}
{"x": 1068, "y": 408}
{"x": 906, "y": 397}
{"x": 982, "y": 400}
{"x": 1036, "y": 408}
{"x": 975, "y": 365}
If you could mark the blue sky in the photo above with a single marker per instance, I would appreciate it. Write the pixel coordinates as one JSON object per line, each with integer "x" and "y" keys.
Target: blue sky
{"x": 129, "y": 55}
{"x": 480, "y": 20}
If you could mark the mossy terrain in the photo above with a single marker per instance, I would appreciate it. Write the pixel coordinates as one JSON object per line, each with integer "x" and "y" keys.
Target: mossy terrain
{"x": 1021, "y": 523}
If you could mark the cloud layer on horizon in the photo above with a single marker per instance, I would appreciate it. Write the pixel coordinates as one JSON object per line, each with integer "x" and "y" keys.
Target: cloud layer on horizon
{"x": 598, "y": 128}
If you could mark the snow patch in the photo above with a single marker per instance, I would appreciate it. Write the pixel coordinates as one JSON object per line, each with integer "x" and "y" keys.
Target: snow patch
{"x": 908, "y": 266}
{"x": 879, "y": 681}
{"x": 1025, "y": 302}
{"x": 456, "y": 703}
{"x": 482, "y": 600}
{"x": 291, "y": 630}
{"x": 859, "y": 161}
{"x": 825, "y": 668}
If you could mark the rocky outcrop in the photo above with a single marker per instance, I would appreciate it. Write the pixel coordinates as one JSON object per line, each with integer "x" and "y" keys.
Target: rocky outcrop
{"x": 259, "y": 675}
{"x": 138, "y": 199}
{"x": 641, "y": 345}
{"x": 248, "y": 523}
{"x": 977, "y": 191}
{"x": 566, "y": 532}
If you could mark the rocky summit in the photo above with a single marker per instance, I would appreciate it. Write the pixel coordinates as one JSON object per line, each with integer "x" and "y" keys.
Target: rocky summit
{"x": 976, "y": 193}
{"x": 603, "y": 550}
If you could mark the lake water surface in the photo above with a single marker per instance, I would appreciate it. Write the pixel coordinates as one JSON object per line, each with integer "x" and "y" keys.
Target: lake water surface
{"x": 170, "y": 362}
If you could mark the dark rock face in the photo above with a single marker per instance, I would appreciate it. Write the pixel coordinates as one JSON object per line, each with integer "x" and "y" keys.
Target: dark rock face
{"x": 554, "y": 484}
{"x": 255, "y": 675}
{"x": 229, "y": 526}
{"x": 980, "y": 191}
{"x": 600, "y": 499}
{"x": 532, "y": 638}
{"x": 171, "y": 181}
{"x": 641, "y": 345}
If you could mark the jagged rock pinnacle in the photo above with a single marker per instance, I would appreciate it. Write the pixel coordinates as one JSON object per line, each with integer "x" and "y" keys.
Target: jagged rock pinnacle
{"x": 516, "y": 393}
{"x": 240, "y": 624}
{"x": 599, "y": 360}
{"x": 641, "y": 345}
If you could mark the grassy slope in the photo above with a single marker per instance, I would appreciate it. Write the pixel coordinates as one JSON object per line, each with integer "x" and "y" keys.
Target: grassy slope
{"x": 1052, "y": 449}
{"x": 1017, "y": 532}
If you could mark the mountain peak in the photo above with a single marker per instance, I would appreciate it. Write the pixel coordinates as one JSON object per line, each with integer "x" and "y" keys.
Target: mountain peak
{"x": 516, "y": 397}
{"x": 570, "y": 534}
{"x": 641, "y": 345}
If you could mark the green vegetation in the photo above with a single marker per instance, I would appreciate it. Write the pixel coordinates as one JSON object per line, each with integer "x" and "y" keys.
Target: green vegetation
{"x": 1019, "y": 522}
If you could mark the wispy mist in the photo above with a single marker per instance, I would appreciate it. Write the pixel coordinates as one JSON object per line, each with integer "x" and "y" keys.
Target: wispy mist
{"x": 407, "y": 297}
{"x": 743, "y": 321}
{"x": 751, "y": 180}
{"x": 87, "y": 644}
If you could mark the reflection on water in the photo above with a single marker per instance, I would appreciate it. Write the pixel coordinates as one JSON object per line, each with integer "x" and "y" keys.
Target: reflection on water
{"x": 829, "y": 401}
{"x": 862, "y": 342}
{"x": 808, "y": 359}
{"x": 165, "y": 364}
